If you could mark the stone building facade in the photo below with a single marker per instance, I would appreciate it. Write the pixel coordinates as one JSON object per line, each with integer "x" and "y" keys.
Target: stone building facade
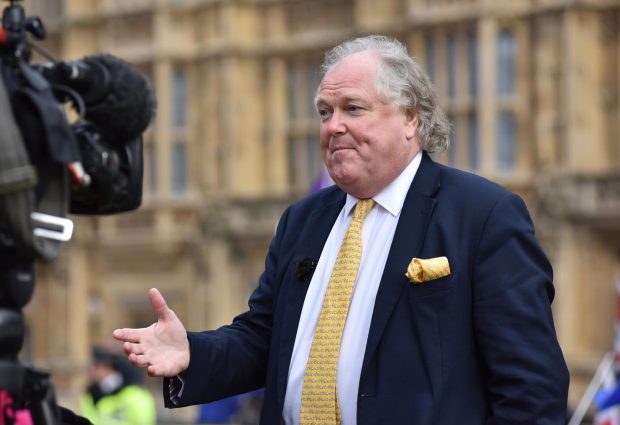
{"x": 532, "y": 88}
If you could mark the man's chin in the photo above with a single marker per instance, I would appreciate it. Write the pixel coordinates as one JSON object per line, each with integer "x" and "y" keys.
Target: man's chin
{"x": 342, "y": 178}
{"x": 352, "y": 186}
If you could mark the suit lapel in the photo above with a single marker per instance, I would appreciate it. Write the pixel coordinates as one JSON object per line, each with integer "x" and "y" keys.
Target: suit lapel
{"x": 407, "y": 243}
{"x": 311, "y": 241}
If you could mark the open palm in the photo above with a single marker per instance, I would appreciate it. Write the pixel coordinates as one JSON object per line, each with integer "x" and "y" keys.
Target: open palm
{"x": 162, "y": 348}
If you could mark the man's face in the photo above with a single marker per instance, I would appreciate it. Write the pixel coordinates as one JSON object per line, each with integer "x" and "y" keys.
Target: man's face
{"x": 365, "y": 141}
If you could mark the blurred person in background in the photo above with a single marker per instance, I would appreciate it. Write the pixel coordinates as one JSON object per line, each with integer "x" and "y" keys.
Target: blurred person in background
{"x": 218, "y": 412}
{"x": 115, "y": 394}
{"x": 242, "y": 409}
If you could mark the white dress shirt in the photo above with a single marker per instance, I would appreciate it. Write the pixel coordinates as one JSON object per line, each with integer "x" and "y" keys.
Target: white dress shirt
{"x": 379, "y": 227}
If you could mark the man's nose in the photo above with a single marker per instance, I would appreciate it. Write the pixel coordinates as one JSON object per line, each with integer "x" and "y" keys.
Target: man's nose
{"x": 336, "y": 124}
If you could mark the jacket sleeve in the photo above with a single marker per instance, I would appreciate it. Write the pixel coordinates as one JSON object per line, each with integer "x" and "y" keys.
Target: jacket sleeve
{"x": 513, "y": 290}
{"x": 233, "y": 359}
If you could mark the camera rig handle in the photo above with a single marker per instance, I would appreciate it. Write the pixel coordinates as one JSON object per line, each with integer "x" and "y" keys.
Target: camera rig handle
{"x": 15, "y": 25}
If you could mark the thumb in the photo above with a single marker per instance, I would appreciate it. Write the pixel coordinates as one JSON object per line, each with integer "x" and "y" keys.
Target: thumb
{"x": 158, "y": 303}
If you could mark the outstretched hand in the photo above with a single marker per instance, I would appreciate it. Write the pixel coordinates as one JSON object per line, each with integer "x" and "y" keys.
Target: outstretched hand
{"x": 162, "y": 348}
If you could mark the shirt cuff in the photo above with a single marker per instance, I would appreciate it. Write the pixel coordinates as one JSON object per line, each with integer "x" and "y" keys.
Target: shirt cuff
{"x": 175, "y": 388}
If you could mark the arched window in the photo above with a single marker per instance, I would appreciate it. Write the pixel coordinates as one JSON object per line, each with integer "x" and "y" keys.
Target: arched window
{"x": 505, "y": 62}
{"x": 506, "y": 137}
{"x": 150, "y": 164}
{"x": 179, "y": 154}
{"x": 430, "y": 56}
{"x": 179, "y": 98}
{"x": 473, "y": 135}
{"x": 179, "y": 168}
{"x": 472, "y": 64}
{"x": 506, "y": 128}
{"x": 304, "y": 154}
{"x": 452, "y": 65}
{"x": 454, "y": 142}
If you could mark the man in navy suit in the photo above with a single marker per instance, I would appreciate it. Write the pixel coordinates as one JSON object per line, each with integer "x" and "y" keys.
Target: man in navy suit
{"x": 475, "y": 345}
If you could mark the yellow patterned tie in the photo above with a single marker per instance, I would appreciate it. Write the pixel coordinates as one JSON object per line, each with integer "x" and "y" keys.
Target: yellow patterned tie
{"x": 319, "y": 400}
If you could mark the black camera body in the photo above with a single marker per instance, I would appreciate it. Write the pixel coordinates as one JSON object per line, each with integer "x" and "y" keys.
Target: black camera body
{"x": 50, "y": 167}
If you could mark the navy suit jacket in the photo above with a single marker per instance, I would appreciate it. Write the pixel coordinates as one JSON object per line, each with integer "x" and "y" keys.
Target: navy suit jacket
{"x": 475, "y": 347}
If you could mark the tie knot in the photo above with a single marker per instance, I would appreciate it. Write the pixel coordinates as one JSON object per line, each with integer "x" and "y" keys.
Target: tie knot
{"x": 362, "y": 208}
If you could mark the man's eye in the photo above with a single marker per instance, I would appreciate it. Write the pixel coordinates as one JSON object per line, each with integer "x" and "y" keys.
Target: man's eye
{"x": 323, "y": 113}
{"x": 354, "y": 108}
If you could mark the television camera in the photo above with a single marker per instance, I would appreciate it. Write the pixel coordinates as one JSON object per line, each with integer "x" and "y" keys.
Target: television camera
{"x": 50, "y": 167}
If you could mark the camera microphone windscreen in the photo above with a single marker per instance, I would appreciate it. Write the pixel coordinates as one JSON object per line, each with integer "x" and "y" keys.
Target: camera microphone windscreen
{"x": 119, "y": 100}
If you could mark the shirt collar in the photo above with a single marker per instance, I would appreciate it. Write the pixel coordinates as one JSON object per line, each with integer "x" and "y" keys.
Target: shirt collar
{"x": 392, "y": 197}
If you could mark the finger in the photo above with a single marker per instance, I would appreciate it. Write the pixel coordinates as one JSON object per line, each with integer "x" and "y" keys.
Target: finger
{"x": 130, "y": 335}
{"x": 129, "y": 348}
{"x": 154, "y": 372}
{"x": 150, "y": 370}
{"x": 139, "y": 360}
{"x": 159, "y": 304}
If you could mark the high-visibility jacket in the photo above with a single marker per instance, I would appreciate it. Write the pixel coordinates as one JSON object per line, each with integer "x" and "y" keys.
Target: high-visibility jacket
{"x": 132, "y": 405}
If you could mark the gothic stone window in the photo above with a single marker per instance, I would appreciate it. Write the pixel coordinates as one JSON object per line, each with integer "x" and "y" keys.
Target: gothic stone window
{"x": 179, "y": 119}
{"x": 305, "y": 162}
{"x": 451, "y": 60}
{"x": 506, "y": 127}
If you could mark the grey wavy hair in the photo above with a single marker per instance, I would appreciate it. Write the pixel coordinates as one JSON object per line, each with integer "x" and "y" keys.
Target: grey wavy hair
{"x": 402, "y": 81}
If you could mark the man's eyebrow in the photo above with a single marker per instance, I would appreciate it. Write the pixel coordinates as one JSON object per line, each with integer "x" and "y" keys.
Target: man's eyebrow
{"x": 321, "y": 100}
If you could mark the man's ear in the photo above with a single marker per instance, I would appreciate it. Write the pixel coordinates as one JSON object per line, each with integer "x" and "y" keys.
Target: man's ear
{"x": 411, "y": 123}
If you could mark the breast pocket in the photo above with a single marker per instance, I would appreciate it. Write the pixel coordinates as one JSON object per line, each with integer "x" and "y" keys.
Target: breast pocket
{"x": 433, "y": 287}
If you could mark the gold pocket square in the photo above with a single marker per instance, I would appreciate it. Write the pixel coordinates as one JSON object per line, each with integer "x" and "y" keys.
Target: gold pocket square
{"x": 420, "y": 270}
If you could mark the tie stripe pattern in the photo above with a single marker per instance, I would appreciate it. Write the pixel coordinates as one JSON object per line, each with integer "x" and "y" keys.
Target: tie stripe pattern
{"x": 319, "y": 403}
